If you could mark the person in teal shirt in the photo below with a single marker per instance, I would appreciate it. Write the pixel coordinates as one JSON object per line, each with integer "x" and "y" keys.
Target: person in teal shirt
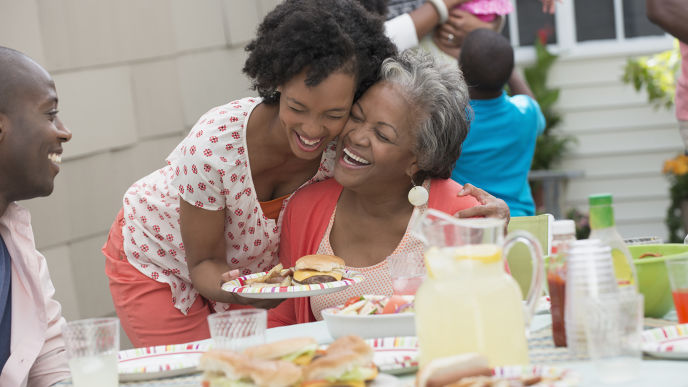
{"x": 498, "y": 150}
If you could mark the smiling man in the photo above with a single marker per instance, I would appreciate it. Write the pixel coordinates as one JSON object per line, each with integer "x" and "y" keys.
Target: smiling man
{"x": 31, "y": 137}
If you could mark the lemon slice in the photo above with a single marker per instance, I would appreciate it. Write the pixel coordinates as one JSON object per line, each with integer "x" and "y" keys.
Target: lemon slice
{"x": 486, "y": 253}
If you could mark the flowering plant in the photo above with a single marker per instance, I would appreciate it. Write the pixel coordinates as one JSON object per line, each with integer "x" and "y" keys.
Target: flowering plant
{"x": 676, "y": 170}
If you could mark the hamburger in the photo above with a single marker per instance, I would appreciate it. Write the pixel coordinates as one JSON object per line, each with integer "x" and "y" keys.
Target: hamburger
{"x": 226, "y": 368}
{"x": 299, "y": 350}
{"x": 459, "y": 370}
{"x": 348, "y": 362}
{"x": 316, "y": 269}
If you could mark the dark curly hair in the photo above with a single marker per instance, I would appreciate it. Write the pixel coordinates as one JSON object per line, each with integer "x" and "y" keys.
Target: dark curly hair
{"x": 378, "y": 7}
{"x": 322, "y": 36}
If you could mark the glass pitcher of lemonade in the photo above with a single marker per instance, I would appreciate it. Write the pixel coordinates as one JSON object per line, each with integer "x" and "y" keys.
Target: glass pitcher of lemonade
{"x": 469, "y": 303}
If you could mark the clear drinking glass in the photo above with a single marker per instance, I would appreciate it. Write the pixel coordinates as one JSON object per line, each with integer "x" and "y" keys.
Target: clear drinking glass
{"x": 238, "y": 329}
{"x": 407, "y": 271}
{"x": 678, "y": 277}
{"x": 92, "y": 346}
{"x": 613, "y": 328}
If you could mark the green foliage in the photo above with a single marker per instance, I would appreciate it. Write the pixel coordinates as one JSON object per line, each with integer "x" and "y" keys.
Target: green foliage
{"x": 676, "y": 170}
{"x": 551, "y": 145}
{"x": 657, "y": 74}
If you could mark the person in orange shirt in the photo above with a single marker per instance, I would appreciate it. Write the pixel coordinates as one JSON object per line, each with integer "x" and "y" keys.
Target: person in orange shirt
{"x": 32, "y": 351}
{"x": 403, "y": 135}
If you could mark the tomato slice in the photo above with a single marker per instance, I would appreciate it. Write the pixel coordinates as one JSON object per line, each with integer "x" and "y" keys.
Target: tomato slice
{"x": 393, "y": 304}
{"x": 353, "y": 300}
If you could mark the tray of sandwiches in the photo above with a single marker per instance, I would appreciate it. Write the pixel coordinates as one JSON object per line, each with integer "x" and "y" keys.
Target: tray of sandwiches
{"x": 347, "y": 361}
{"x": 311, "y": 275}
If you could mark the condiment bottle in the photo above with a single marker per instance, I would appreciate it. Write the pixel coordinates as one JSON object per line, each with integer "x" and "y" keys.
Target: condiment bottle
{"x": 563, "y": 233}
{"x": 603, "y": 228}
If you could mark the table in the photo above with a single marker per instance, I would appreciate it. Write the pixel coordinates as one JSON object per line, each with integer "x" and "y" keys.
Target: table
{"x": 653, "y": 372}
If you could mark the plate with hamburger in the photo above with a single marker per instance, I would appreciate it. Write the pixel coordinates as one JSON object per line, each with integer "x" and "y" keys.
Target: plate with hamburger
{"x": 348, "y": 361}
{"x": 311, "y": 275}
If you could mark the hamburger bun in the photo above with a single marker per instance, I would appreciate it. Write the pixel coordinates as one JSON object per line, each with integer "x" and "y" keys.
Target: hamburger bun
{"x": 218, "y": 365}
{"x": 343, "y": 355}
{"x": 319, "y": 262}
{"x": 315, "y": 269}
{"x": 447, "y": 370}
{"x": 280, "y": 348}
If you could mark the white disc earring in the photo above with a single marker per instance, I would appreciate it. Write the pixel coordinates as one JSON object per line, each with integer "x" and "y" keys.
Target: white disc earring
{"x": 418, "y": 195}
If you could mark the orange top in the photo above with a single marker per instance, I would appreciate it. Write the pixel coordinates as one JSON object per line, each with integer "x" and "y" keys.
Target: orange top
{"x": 272, "y": 208}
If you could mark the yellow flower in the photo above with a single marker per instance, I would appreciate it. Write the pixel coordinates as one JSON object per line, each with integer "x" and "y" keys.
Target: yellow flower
{"x": 681, "y": 169}
{"x": 669, "y": 166}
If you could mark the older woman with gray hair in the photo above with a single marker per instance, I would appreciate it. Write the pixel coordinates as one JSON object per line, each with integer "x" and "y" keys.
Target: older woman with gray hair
{"x": 394, "y": 159}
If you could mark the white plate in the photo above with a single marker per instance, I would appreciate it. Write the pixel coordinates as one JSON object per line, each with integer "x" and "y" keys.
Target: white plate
{"x": 162, "y": 361}
{"x": 669, "y": 342}
{"x": 237, "y": 286}
{"x": 564, "y": 377}
{"x": 369, "y": 326}
{"x": 383, "y": 380}
{"x": 395, "y": 355}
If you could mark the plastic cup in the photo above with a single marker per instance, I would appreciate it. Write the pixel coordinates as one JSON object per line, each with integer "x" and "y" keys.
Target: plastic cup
{"x": 589, "y": 275}
{"x": 678, "y": 277}
{"x": 407, "y": 272}
{"x": 239, "y": 329}
{"x": 92, "y": 346}
{"x": 613, "y": 328}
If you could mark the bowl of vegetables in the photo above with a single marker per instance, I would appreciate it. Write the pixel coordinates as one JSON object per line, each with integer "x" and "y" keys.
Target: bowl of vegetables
{"x": 371, "y": 316}
{"x": 653, "y": 280}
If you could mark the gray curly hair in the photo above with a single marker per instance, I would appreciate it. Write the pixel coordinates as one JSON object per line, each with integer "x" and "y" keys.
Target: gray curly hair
{"x": 440, "y": 95}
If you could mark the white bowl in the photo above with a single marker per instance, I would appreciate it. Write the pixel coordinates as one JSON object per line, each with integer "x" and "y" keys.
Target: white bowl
{"x": 370, "y": 326}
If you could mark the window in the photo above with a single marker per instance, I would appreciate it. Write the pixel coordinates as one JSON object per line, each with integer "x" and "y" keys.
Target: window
{"x": 580, "y": 24}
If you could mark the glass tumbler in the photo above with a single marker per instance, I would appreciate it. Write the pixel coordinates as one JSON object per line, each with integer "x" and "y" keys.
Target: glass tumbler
{"x": 238, "y": 329}
{"x": 92, "y": 346}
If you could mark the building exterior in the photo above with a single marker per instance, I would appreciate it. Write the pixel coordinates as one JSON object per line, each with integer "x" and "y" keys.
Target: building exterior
{"x": 133, "y": 76}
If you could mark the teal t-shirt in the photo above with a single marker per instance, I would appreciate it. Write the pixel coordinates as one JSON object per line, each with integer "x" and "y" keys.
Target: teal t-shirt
{"x": 498, "y": 150}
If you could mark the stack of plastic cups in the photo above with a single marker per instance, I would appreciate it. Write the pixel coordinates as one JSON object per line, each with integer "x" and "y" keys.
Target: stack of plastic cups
{"x": 590, "y": 274}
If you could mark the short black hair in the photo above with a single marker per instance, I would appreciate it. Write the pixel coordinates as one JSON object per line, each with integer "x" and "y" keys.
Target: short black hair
{"x": 378, "y": 7}
{"x": 322, "y": 36}
{"x": 486, "y": 59}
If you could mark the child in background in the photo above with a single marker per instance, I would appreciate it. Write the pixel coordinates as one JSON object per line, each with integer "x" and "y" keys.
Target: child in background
{"x": 468, "y": 16}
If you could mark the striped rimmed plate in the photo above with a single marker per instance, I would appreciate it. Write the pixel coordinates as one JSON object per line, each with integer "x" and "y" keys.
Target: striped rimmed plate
{"x": 163, "y": 361}
{"x": 238, "y": 286}
{"x": 670, "y": 342}
{"x": 395, "y": 355}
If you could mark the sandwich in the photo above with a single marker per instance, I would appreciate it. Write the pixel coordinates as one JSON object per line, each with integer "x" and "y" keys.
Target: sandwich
{"x": 459, "y": 370}
{"x": 316, "y": 269}
{"x": 299, "y": 350}
{"x": 230, "y": 369}
{"x": 348, "y": 362}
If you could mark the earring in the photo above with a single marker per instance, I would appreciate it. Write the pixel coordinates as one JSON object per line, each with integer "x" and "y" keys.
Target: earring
{"x": 418, "y": 195}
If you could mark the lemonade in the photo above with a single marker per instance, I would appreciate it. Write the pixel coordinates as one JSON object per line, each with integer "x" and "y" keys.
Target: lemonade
{"x": 96, "y": 370}
{"x": 469, "y": 304}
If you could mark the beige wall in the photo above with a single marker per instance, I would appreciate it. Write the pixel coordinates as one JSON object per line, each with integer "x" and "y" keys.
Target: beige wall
{"x": 132, "y": 77}
{"x": 622, "y": 142}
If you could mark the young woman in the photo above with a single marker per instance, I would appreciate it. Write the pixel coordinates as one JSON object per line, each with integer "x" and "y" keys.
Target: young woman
{"x": 215, "y": 206}
{"x": 406, "y": 130}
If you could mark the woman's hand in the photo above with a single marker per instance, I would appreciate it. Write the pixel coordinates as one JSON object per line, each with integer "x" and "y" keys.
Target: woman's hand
{"x": 264, "y": 304}
{"x": 490, "y": 206}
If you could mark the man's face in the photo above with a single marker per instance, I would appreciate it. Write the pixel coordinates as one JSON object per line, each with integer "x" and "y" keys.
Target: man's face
{"x": 31, "y": 137}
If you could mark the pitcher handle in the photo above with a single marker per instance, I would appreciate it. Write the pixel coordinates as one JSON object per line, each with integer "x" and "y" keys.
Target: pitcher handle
{"x": 538, "y": 265}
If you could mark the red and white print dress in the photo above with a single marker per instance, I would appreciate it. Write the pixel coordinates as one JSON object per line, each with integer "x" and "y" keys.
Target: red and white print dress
{"x": 210, "y": 169}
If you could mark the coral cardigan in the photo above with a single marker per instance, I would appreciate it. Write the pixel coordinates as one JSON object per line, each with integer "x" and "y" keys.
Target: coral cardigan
{"x": 305, "y": 221}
